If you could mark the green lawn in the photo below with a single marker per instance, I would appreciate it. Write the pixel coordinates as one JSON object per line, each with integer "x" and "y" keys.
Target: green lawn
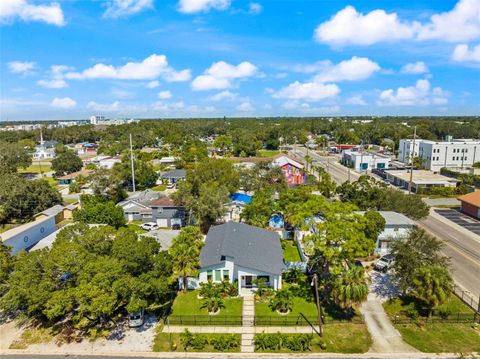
{"x": 436, "y": 337}
{"x": 441, "y": 337}
{"x": 290, "y": 251}
{"x": 187, "y": 303}
{"x": 300, "y": 306}
{"x": 165, "y": 342}
{"x": 36, "y": 168}
{"x": 267, "y": 153}
{"x": 135, "y": 226}
{"x": 159, "y": 188}
{"x": 341, "y": 338}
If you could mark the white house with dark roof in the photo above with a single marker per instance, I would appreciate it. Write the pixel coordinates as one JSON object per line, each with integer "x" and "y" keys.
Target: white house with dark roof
{"x": 237, "y": 251}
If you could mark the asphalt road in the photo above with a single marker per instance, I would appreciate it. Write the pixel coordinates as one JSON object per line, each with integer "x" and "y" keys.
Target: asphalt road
{"x": 462, "y": 246}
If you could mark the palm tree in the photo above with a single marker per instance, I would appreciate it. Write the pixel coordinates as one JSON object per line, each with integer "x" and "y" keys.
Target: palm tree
{"x": 433, "y": 285}
{"x": 350, "y": 288}
{"x": 213, "y": 305}
{"x": 209, "y": 290}
{"x": 282, "y": 301}
{"x": 185, "y": 251}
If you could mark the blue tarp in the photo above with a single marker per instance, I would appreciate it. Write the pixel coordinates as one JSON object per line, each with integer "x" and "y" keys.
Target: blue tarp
{"x": 241, "y": 197}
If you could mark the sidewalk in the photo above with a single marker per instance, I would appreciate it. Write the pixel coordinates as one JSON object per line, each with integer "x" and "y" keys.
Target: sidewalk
{"x": 248, "y": 330}
{"x": 236, "y": 330}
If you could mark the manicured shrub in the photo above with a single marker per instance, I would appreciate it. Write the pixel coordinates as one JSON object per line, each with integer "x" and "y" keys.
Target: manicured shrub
{"x": 225, "y": 343}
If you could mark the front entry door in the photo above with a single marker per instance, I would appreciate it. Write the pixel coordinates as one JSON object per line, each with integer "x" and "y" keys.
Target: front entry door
{"x": 248, "y": 281}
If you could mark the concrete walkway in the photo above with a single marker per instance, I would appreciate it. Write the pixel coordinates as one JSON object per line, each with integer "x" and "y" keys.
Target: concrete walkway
{"x": 385, "y": 338}
{"x": 248, "y": 324}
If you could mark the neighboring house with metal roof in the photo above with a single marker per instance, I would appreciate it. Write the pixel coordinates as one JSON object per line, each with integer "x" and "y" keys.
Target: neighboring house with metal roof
{"x": 397, "y": 226}
{"x": 237, "y": 251}
{"x": 173, "y": 176}
{"x": 56, "y": 211}
{"x": 25, "y": 236}
{"x": 292, "y": 170}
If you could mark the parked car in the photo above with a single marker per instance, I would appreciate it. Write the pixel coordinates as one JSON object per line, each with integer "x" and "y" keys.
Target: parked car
{"x": 385, "y": 263}
{"x": 149, "y": 226}
{"x": 176, "y": 227}
{"x": 136, "y": 319}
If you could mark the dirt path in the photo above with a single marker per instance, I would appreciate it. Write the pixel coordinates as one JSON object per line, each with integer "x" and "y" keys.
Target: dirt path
{"x": 9, "y": 332}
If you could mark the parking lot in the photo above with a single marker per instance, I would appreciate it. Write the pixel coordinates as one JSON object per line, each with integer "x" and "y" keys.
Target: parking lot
{"x": 461, "y": 219}
{"x": 163, "y": 236}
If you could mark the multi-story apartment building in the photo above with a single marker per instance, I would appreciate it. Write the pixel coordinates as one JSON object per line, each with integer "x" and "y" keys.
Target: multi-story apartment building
{"x": 454, "y": 153}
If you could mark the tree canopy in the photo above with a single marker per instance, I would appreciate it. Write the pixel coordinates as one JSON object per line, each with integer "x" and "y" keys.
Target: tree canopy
{"x": 89, "y": 277}
{"x": 65, "y": 162}
{"x": 97, "y": 209}
{"x": 13, "y": 156}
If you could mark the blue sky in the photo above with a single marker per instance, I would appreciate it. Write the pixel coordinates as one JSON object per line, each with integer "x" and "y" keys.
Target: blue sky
{"x": 189, "y": 58}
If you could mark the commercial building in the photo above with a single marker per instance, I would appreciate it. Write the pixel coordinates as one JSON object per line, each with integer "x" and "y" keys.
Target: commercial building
{"x": 292, "y": 170}
{"x": 453, "y": 153}
{"x": 471, "y": 204}
{"x": 421, "y": 179}
{"x": 364, "y": 161}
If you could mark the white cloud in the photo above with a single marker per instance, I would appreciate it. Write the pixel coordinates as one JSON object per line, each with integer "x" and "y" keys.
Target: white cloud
{"x": 57, "y": 81}
{"x": 120, "y": 8}
{"x": 420, "y": 94}
{"x": 162, "y": 106}
{"x": 65, "y": 102}
{"x": 180, "y": 76}
{"x": 219, "y": 75}
{"x": 463, "y": 53}
{"x": 462, "y": 23}
{"x": 255, "y": 8}
{"x": 21, "y": 67}
{"x": 351, "y": 27}
{"x": 104, "y": 107}
{"x": 308, "y": 91}
{"x": 355, "y": 69}
{"x": 418, "y": 67}
{"x": 150, "y": 68}
{"x": 164, "y": 95}
{"x": 304, "y": 107}
{"x": 357, "y": 100}
{"x": 224, "y": 95}
{"x": 245, "y": 107}
{"x": 194, "y": 6}
{"x": 181, "y": 109}
{"x": 153, "y": 84}
{"x": 12, "y": 9}
{"x": 52, "y": 84}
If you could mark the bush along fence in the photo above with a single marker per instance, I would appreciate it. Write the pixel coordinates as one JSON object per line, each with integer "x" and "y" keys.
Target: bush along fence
{"x": 259, "y": 321}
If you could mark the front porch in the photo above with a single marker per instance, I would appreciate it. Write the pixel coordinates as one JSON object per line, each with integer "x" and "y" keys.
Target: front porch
{"x": 248, "y": 283}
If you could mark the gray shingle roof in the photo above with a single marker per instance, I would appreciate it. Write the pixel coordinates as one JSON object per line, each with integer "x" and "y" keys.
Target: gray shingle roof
{"x": 174, "y": 174}
{"x": 53, "y": 211}
{"x": 251, "y": 247}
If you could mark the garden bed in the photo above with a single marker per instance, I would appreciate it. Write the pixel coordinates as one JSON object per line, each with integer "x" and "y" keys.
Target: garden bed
{"x": 167, "y": 342}
{"x": 338, "y": 338}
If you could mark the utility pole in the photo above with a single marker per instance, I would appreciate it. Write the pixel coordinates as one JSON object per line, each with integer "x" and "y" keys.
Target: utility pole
{"x": 319, "y": 308}
{"x": 411, "y": 161}
{"x": 133, "y": 166}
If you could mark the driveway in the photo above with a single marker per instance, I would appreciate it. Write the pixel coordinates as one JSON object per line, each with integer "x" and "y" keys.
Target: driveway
{"x": 461, "y": 219}
{"x": 385, "y": 338}
{"x": 163, "y": 236}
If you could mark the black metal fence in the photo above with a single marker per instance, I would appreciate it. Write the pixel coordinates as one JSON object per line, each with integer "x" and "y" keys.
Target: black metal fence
{"x": 467, "y": 298}
{"x": 221, "y": 320}
{"x": 300, "y": 321}
{"x": 259, "y": 321}
{"x": 405, "y": 318}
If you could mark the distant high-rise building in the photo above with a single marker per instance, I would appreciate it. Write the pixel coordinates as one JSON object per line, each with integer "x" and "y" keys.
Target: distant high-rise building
{"x": 94, "y": 120}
